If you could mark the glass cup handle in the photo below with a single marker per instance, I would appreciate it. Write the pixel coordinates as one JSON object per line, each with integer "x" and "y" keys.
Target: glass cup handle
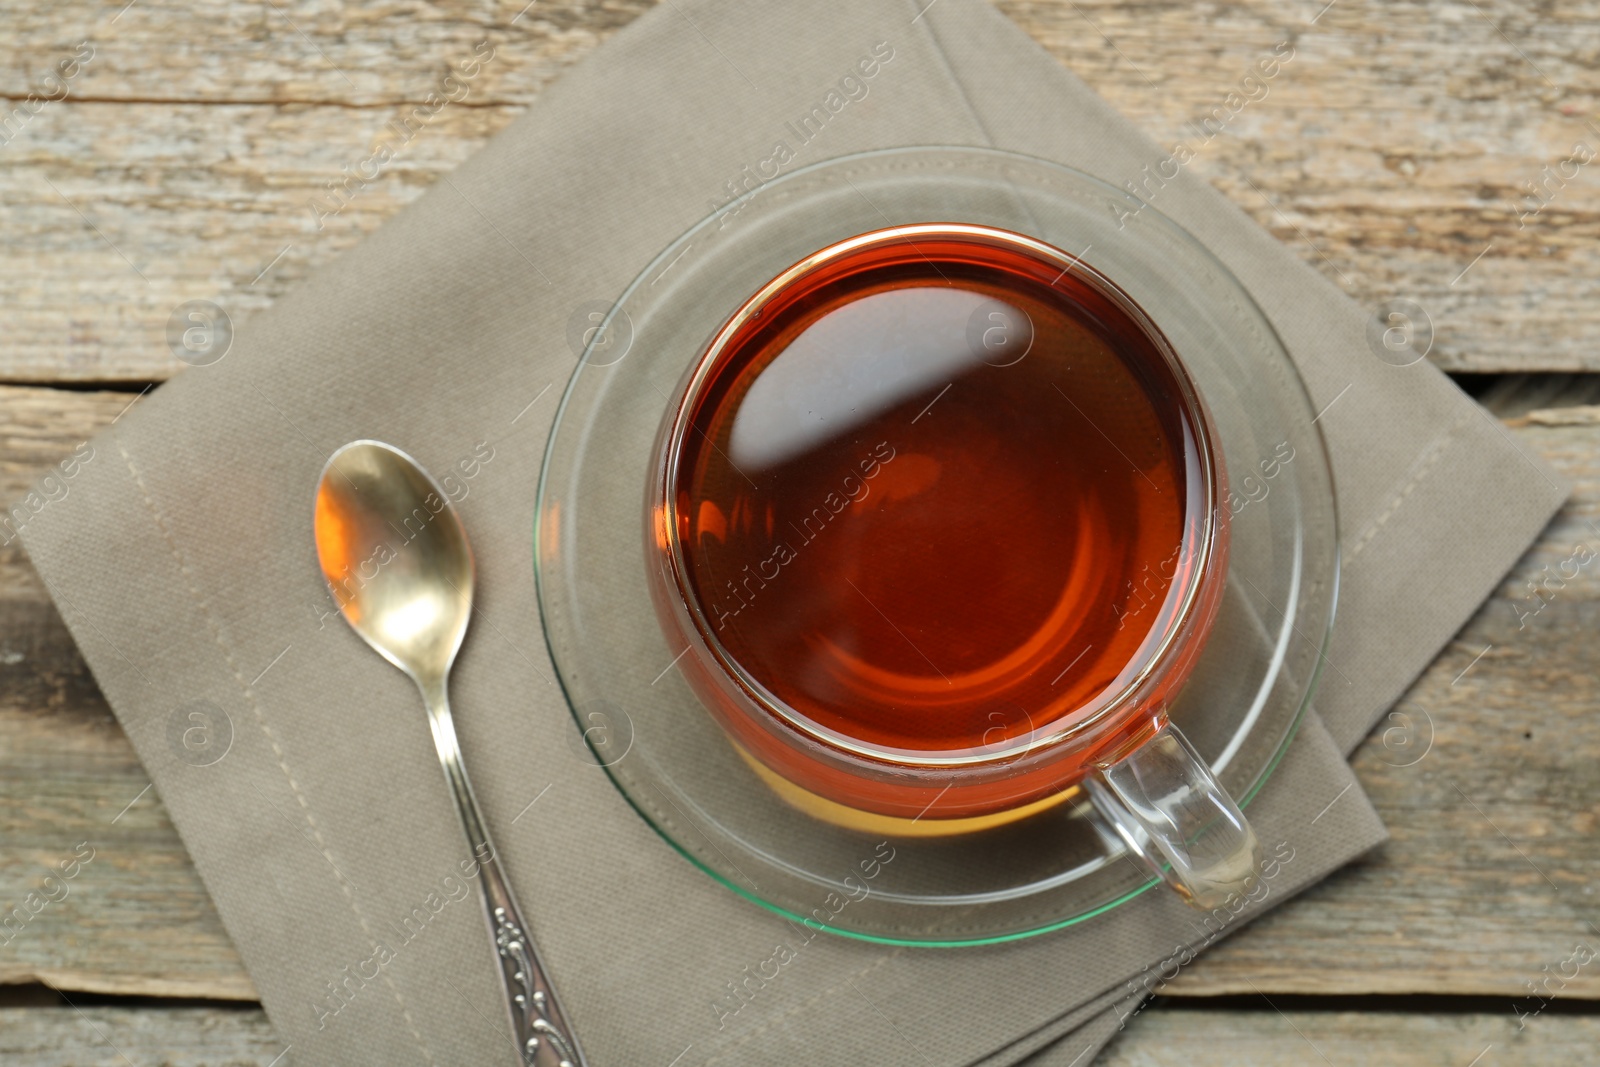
{"x": 1167, "y": 807}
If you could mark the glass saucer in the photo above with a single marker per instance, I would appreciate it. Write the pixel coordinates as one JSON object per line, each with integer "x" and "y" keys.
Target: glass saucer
{"x": 669, "y": 757}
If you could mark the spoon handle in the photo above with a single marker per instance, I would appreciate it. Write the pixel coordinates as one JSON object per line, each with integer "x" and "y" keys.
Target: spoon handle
{"x": 543, "y": 1036}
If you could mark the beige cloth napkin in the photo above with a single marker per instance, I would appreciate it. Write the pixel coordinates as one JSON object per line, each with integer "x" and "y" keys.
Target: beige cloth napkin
{"x": 183, "y": 564}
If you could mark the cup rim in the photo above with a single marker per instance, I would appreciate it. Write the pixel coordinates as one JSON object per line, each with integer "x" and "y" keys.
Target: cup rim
{"x": 1105, "y": 707}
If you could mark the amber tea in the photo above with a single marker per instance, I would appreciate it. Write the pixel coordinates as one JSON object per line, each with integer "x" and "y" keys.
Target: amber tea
{"x": 933, "y": 502}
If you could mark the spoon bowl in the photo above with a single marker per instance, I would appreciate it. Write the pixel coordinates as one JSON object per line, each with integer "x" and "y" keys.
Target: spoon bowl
{"x": 395, "y": 556}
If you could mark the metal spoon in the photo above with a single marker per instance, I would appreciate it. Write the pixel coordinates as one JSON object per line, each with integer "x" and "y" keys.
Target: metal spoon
{"x": 396, "y": 558}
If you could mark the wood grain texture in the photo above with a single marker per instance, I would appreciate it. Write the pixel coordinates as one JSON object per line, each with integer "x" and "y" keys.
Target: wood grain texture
{"x": 172, "y": 1037}
{"x": 1390, "y": 152}
{"x": 1488, "y": 787}
{"x": 1185, "y": 1037}
{"x": 1160, "y": 1037}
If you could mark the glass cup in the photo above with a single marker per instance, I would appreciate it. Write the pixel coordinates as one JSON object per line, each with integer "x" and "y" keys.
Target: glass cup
{"x": 943, "y": 879}
{"x": 1022, "y": 745}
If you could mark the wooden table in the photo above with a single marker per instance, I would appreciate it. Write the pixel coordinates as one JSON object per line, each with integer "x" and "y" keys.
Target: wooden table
{"x": 1394, "y": 153}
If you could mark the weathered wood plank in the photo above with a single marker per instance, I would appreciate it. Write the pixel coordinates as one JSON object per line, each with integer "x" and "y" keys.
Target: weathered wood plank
{"x": 1160, "y": 1037}
{"x": 1191, "y": 1037}
{"x": 115, "y": 215}
{"x": 296, "y": 51}
{"x": 1389, "y": 152}
{"x": 173, "y": 1037}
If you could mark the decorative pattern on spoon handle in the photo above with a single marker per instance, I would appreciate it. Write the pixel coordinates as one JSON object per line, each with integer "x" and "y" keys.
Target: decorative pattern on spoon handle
{"x": 543, "y": 1036}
